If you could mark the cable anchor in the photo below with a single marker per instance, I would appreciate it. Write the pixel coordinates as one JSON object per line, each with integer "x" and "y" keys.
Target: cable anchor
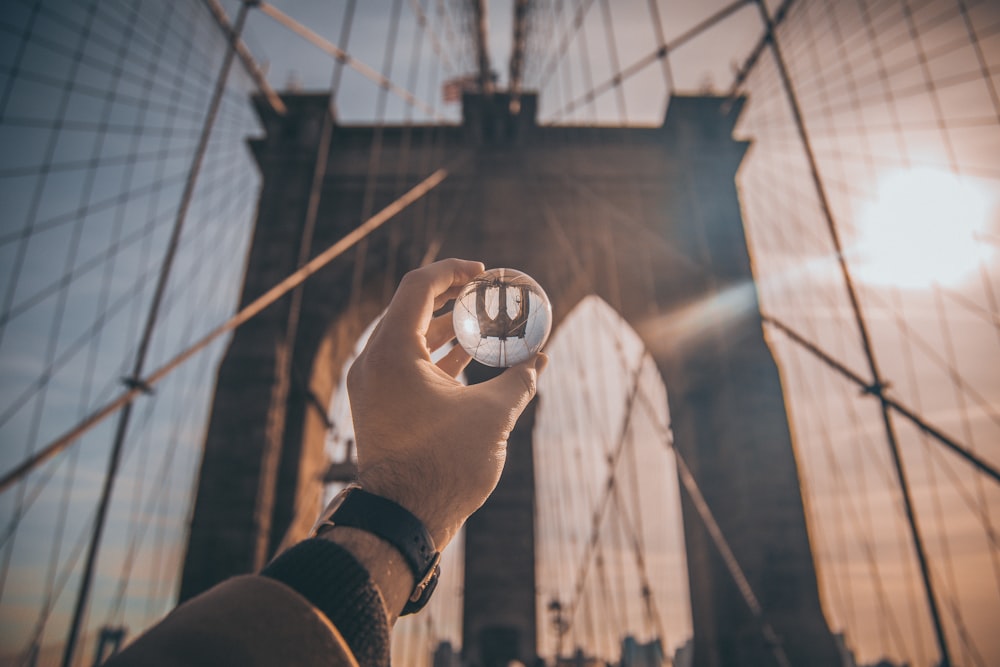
{"x": 132, "y": 383}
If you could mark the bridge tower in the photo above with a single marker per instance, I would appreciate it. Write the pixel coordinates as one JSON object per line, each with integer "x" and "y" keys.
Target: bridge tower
{"x": 646, "y": 218}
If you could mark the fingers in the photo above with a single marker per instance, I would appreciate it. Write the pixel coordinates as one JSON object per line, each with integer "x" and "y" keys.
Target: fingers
{"x": 517, "y": 385}
{"x": 440, "y": 331}
{"x": 414, "y": 302}
{"x": 455, "y": 361}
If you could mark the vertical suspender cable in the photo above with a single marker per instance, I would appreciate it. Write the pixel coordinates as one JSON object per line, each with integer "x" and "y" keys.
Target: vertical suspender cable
{"x": 877, "y": 386}
{"x": 147, "y": 335}
{"x": 305, "y": 250}
{"x": 481, "y": 27}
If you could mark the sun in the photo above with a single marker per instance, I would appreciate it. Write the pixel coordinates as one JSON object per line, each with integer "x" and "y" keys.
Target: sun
{"x": 923, "y": 228}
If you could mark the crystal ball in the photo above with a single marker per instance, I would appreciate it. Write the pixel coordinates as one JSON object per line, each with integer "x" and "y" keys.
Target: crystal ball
{"x": 502, "y": 317}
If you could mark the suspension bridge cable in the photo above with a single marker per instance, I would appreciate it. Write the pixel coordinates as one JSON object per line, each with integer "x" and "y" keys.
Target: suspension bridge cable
{"x": 374, "y": 155}
{"x": 252, "y": 309}
{"x": 94, "y": 62}
{"x": 843, "y": 587}
{"x": 980, "y": 464}
{"x": 876, "y": 579}
{"x": 949, "y": 364}
{"x": 449, "y": 30}
{"x": 610, "y": 603}
{"x": 936, "y": 450}
{"x": 56, "y": 588}
{"x": 548, "y": 523}
{"x": 968, "y": 435}
{"x": 89, "y": 335}
{"x": 25, "y": 39}
{"x": 101, "y": 318}
{"x": 615, "y": 527}
{"x": 224, "y": 240}
{"x": 714, "y": 531}
{"x": 566, "y": 81}
{"x": 977, "y": 47}
{"x": 877, "y": 384}
{"x": 436, "y": 46}
{"x": 660, "y": 54}
{"x": 110, "y": 258}
{"x": 586, "y": 67}
{"x": 119, "y": 219}
{"x": 568, "y": 33}
{"x": 601, "y": 505}
{"x": 225, "y": 209}
{"x": 887, "y": 616}
{"x": 49, "y": 154}
{"x": 147, "y": 335}
{"x": 62, "y": 297}
{"x": 479, "y": 27}
{"x": 634, "y": 525}
{"x": 957, "y": 382}
{"x": 585, "y": 501}
{"x": 431, "y": 152}
{"x": 661, "y": 46}
{"x": 342, "y": 56}
{"x": 774, "y": 238}
{"x": 729, "y": 558}
{"x": 49, "y": 604}
{"x": 632, "y": 533}
{"x": 406, "y": 145}
{"x": 901, "y": 68}
{"x": 586, "y": 497}
{"x": 749, "y": 65}
{"x": 616, "y": 68}
{"x": 522, "y": 10}
{"x": 572, "y": 254}
{"x": 823, "y": 86}
{"x": 249, "y": 63}
{"x": 272, "y": 463}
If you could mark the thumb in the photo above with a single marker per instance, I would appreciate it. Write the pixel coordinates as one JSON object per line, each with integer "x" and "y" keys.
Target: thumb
{"x": 517, "y": 385}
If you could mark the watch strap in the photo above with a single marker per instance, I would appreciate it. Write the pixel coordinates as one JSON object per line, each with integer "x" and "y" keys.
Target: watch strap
{"x": 400, "y": 528}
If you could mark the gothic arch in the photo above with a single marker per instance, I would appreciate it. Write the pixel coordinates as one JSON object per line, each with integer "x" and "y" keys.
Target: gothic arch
{"x": 646, "y": 218}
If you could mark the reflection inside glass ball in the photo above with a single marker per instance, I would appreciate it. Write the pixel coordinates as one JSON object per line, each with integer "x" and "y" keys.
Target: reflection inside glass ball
{"x": 502, "y": 317}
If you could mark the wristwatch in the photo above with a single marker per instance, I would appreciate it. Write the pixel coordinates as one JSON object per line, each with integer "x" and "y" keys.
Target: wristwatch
{"x": 356, "y": 508}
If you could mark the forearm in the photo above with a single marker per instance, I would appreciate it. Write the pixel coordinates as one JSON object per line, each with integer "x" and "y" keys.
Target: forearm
{"x": 323, "y": 602}
{"x": 248, "y": 621}
{"x": 337, "y": 582}
{"x": 385, "y": 565}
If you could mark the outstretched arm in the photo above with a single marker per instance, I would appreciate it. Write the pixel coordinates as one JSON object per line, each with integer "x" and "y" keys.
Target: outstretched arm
{"x": 425, "y": 441}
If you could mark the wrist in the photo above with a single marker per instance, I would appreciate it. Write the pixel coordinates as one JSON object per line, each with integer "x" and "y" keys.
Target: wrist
{"x": 385, "y": 534}
{"x": 384, "y": 563}
{"x": 437, "y": 516}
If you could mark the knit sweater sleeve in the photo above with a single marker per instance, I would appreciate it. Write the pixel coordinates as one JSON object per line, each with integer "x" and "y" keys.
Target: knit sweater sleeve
{"x": 334, "y": 582}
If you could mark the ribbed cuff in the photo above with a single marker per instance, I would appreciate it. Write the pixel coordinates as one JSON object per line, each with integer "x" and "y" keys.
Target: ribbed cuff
{"x": 331, "y": 579}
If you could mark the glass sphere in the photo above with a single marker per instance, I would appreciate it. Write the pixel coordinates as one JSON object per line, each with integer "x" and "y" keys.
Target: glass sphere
{"x": 502, "y": 317}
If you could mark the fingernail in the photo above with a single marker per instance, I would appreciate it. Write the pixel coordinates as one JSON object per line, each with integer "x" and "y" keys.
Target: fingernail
{"x": 541, "y": 361}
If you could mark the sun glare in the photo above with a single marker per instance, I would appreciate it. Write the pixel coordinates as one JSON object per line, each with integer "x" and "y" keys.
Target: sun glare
{"x": 921, "y": 229}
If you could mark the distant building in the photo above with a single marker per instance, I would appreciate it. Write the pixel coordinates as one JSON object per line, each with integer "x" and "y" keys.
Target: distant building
{"x": 637, "y": 654}
{"x": 445, "y": 655}
{"x": 684, "y": 656}
{"x": 846, "y": 654}
{"x": 580, "y": 660}
{"x": 848, "y": 659}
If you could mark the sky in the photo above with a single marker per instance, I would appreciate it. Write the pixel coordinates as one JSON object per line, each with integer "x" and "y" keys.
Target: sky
{"x": 906, "y": 149}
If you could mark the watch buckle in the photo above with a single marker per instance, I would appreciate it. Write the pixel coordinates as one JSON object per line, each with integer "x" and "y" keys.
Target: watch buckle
{"x": 432, "y": 570}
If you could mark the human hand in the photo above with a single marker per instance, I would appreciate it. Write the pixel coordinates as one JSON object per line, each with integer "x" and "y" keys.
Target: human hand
{"x": 424, "y": 440}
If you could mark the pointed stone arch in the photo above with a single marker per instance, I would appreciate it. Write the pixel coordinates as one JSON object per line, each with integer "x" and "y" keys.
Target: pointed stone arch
{"x": 648, "y": 219}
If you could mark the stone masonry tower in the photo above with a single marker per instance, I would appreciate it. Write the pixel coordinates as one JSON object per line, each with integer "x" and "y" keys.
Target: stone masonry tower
{"x": 646, "y": 218}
